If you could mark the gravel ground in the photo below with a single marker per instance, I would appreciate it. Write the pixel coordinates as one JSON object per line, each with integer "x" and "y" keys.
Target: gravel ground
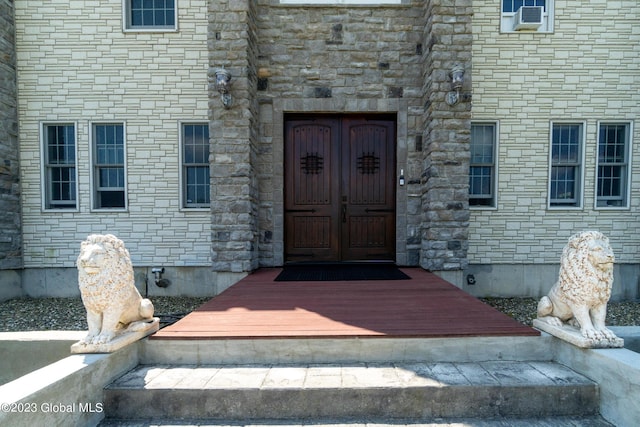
{"x": 68, "y": 314}
{"x": 28, "y": 314}
{"x": 625, "y": 313}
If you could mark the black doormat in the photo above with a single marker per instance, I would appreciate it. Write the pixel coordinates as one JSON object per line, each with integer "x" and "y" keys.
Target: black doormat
{"x": 340, "y": 272}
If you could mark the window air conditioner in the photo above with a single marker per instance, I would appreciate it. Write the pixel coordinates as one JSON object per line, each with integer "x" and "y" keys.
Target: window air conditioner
{"x": 528, "y": 18}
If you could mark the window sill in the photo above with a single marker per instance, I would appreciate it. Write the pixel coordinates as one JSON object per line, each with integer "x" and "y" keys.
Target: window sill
{"x": 109, "y": 210}
{"x": 59, "y": 210}
{"x": 483, "y": 208}
{"x": 564, "y": 208}
{"x": 203, "y": 210}
{"x": 149, "y": 30}
{"x": 612, "y": 208}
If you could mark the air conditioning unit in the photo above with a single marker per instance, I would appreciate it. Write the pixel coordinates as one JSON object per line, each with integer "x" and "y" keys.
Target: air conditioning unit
{"x": 528, "y": 18}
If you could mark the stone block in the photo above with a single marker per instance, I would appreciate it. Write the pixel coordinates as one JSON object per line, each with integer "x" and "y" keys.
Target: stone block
{"x": 119, "y": 341}
{"x": 572, "y": 335}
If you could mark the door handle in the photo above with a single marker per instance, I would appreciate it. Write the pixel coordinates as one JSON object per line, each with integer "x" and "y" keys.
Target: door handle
{"x": 344, "y": 213}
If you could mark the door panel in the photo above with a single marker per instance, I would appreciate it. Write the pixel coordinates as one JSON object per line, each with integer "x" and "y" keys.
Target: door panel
{"x": 340, "y": 189}
{"x": 368, "y": 180}
{"x": 312, "y": 192}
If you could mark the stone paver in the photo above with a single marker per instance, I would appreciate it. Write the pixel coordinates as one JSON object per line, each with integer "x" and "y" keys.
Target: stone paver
{"x": 354, "y": 376}
{"x": 352, "y": 391}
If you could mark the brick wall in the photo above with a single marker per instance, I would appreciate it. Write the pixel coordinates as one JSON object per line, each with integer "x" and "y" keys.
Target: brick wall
{"x": 586, "y": 71}
{"x": 10, "y": 220}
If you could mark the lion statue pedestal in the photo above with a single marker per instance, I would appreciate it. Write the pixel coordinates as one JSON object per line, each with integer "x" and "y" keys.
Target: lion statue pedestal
{"x": 116, "y": 313}
{"x": 576, "y": 307}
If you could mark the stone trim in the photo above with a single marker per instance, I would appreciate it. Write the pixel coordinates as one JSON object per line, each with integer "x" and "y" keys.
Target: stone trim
{"x": 11, "y": 216}
{"x": 280, "y": 107}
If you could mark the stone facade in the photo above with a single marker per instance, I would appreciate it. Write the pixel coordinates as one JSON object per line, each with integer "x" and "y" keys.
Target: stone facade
{"x": 234, "y": 189}
{"x": 76, "y": 64}
{"x": 345, "y": 60}
{"x": 151, "y": 82}
{"x": 445, "y": 200}
{"x": 585, "y": 72}
{"x": 10, "y": 215}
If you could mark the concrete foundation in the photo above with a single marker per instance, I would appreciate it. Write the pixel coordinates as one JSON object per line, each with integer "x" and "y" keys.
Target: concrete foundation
{"x": 63, "y": 282}
{"x": 499, "y": 280}
{"x": 10, "y": 284}
{"x": 535, "y": 280}
{"x": 68, "y": 392}
{"x": 24, "y": 352}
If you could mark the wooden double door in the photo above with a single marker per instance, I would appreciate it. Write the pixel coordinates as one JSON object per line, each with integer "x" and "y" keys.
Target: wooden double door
{"x": 339, "y": 188}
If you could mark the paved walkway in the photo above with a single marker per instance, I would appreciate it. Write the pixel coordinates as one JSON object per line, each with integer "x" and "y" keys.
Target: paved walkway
{"x": 463, "y": 422}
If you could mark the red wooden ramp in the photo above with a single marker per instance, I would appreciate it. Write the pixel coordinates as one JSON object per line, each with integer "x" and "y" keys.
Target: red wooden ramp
{"x": 425, "y": 306}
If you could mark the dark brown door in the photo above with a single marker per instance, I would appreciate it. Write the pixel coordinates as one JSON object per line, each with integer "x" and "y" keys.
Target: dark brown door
{"x": 340, "y": 189}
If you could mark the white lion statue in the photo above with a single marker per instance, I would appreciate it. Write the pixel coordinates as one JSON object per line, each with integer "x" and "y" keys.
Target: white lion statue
{"x": 105, "y": 277}
{"x": 583, "y": 290}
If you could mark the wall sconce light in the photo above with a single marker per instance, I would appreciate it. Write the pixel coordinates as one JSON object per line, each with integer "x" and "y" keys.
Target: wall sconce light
{"x": 457, "y": 79}
{"x": 223, "y": 85}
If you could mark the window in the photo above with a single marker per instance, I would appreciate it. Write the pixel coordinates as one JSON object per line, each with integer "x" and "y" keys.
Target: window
{"x": 150, "y": 15}
{"x": 514, "y": 5}
{"x": 613, "y": 165}
{"x": 195, "y": 165}
{"x": 482, "y": 168}
{"x": 537, "y": 16}
{"x": 565, "y": 180}
{"x": 109, "y": 170}
{"x": 59, "y": 166}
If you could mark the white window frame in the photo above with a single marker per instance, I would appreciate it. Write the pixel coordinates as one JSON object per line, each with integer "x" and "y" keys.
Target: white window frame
{"x": 127, "y": 26}
{"x": 494, "y": 183}
{"x": 580, "y": 176}
{"x": 94, "y": 167}
{"x": 626, "y": 181}
{"x": 506, "y": 20}
{"x": 47, "y": 204}
{"x": 183, "y": 166}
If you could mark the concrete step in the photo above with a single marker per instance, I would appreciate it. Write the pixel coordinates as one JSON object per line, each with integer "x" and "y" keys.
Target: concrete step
{"x": 343, "y": 350}
{"x": 576, "y": 421}
{"x": 414, "y": 391}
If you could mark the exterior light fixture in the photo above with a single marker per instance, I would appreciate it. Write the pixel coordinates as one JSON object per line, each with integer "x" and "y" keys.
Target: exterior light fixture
{"x": 457, "y": 79}
{"x": 160, "y": 282}
{"x": 223, "y": 85}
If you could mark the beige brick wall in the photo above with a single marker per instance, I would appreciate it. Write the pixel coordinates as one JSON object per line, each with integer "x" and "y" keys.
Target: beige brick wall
{"x": 586, "y": 71}
{"x": 76, "y": 64}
